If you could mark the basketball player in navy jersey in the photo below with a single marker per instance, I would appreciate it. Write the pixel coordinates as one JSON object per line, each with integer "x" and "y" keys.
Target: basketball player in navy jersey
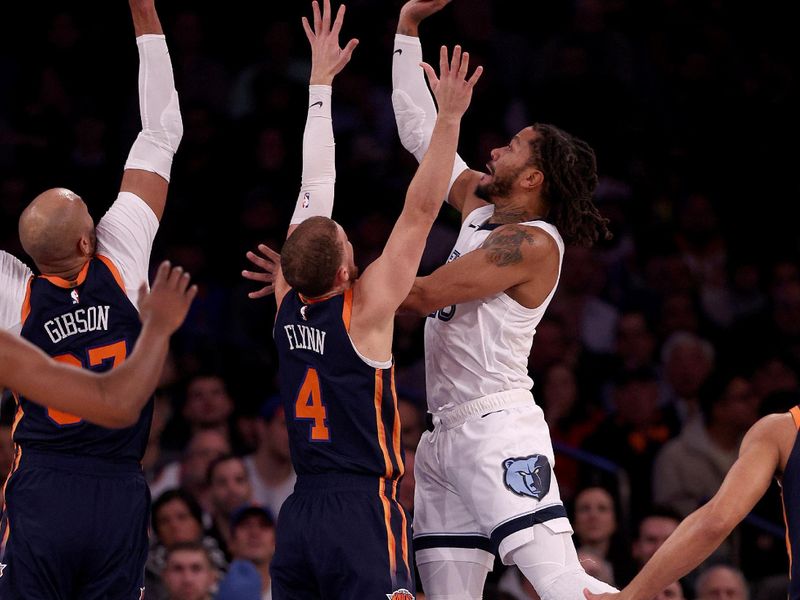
{"x": 342, "y": 533}
{"x": 114, "y": 398}
{"x": 77, "y": 503}
{"x": 770, "y": 449}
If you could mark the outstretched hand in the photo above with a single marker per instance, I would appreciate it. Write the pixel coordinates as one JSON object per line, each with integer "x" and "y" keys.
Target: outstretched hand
{"x": 416, "y": 11}
{"x": 327, "y": 58}
{"x": 168, "y": 301}
{"x": 452, "y": 89}
{"x": 268, "y": 264}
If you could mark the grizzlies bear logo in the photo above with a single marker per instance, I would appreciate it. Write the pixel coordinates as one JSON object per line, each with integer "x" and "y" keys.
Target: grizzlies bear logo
{"x": 528, "y": 476}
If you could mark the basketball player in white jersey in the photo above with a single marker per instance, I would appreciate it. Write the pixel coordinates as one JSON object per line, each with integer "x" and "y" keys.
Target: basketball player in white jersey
{"x": 484, "y": 479}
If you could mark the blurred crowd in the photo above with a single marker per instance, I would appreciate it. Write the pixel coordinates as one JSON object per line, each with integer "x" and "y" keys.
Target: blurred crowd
{"x": 661, "y": 347}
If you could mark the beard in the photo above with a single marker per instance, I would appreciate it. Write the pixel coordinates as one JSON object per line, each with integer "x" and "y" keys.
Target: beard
{"x": 498, "y": 187}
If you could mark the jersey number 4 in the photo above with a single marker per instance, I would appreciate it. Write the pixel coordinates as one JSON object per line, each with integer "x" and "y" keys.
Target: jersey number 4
{"x": 309, "y": 407}
{"x": 115, "y": 352}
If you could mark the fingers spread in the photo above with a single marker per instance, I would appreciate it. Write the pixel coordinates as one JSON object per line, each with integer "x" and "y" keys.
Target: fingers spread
{"x": 456, "y": 59}
{"x": 476, "y": 76}
{"x": 462, "y": 70}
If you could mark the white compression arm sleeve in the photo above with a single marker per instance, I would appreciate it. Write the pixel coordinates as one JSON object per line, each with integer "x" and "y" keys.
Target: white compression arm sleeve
{"x": 162, "y": 128}
{"x": 414, "y": 109}
{"x": 319, "y": 158}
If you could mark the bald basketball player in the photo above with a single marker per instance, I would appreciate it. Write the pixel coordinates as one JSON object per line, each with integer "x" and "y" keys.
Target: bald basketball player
{"x": 77, "y": 504}
{"x": 115, "y": 398}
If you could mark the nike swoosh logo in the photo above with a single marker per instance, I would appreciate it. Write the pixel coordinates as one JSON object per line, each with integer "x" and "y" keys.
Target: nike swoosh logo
{"x": 398, "y": 51}
{"x": 316, "y": 104}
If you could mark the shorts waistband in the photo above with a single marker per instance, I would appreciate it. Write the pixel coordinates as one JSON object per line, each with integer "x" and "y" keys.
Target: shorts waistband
{"x": 91, "y": 465}
{"x": 458, "y": 415}
{"x": 323, "y": 482}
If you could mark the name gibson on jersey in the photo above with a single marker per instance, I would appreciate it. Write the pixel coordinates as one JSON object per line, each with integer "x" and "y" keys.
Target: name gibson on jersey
{"x": 303, "y": 337}
{"x": 92, "y": 318}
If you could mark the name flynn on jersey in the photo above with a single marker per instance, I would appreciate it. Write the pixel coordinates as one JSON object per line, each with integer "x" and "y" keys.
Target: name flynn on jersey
{"x": 303, "y": 337}
{"x": 91, "y": 318}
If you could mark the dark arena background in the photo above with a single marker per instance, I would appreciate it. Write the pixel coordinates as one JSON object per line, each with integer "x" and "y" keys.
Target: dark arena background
{"x": 692, "y": 109}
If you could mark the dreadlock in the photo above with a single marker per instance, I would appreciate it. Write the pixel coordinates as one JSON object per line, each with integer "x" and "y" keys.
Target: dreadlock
{"x": 570, "y": 179}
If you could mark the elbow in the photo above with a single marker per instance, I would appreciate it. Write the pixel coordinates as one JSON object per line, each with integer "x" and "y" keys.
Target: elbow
{"x": 119, "y": 419}
{"x": 715, "y": 522}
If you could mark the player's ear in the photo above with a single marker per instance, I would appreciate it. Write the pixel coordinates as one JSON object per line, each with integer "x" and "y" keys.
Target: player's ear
{"x": 342, "y": 275}
{"x": 532, "y": 178}
{"x": 86, "y": 245}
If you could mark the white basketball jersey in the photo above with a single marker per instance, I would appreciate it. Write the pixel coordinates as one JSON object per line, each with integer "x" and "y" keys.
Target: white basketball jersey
{"x": 481, "y": 347}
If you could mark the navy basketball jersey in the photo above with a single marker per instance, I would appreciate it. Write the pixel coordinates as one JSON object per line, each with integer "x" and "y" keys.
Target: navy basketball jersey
{"x": 88, "y": 323}
{"x": 790, "y": 491}
{"x": 341, "y": 412}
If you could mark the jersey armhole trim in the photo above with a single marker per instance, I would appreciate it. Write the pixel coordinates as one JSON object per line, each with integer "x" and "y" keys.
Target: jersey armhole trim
{"x": 795, "y": 411}
{"x": 114, "y": 271}
{"x": 347, "y": 308}
{"x": 26, "y": 302}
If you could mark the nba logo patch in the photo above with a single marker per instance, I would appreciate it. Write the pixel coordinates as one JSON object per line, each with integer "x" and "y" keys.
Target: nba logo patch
{"x": 306, "y": 200}
{"x": 76, "y": 299}
{"x": 402, "y": 594}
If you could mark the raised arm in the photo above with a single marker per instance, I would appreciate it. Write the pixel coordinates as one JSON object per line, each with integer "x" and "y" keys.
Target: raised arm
{"x": 319, "y": 149}
{"x": 415, "y": 111}
{"x": 150, "y": 160}
{"x": 114, "y": 398}
{"x": 388, "y": 279}
{"x": 705, "y": 529}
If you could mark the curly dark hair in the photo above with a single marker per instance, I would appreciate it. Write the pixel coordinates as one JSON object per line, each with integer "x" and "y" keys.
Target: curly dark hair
{"x": 570, "y": 170}
{"x": 311, "y": 256}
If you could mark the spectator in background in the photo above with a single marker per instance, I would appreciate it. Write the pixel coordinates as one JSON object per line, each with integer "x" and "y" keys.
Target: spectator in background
{"x": 654, "y": 528}
{"x": 252, "y": 548}
{"x": 229, "y": 488}
{"x": 688, "y": 361}
{"x": 270, "y": 468}
{"x": 635, "y": 341}
{"x": 633, "y": 434}
{"x": 176, "y": 519}
{"x": 208, "y": 405}
{"x": 597, "y": 529}
{"x": 188, "y": 573}
{"x": 191, "y": 471}
{"x": 570, "y": 420}
{"x": 674, "y": 591}
{"x": 721, "y": 582}
{"x": 689, "y": 469}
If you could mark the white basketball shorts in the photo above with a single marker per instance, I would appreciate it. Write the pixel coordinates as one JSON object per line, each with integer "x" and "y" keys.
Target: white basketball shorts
{"x": 484, "y": 477}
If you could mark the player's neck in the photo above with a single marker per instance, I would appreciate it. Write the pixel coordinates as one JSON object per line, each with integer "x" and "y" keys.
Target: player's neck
{"x": 67, "y": 270}
{"x": 516, "y": 210}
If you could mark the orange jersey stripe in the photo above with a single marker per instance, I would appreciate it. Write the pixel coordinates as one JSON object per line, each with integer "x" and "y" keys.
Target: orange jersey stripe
{"x": 63, "y": 283}
{"x": 347, "y": 309}
{"x": 379, "y": 422}
{"x": 788, "y": 540}
{"x": 391, "y": 543}
{"x": 396, "y": 430}
{"x": 795, "y": 411}
{"x": 404, "y": 534}
{"x": 114, "y": 271}
{"x": 26, "y": 303}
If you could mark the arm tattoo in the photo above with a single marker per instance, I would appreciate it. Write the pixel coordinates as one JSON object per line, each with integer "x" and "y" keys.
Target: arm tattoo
{"x": 505, "y": 247}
